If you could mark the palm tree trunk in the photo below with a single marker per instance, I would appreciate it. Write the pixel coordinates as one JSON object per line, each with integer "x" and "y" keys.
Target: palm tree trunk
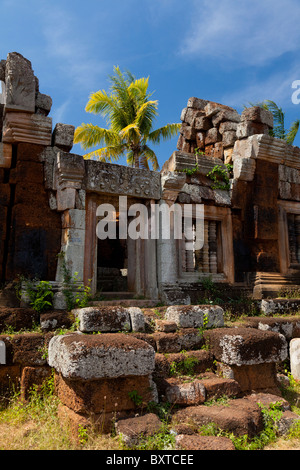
{"x": 136, "y": 160}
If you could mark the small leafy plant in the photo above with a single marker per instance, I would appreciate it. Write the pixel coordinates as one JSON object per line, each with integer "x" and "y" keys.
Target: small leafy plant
{"x": 40, "y": 295}
{"x": 219, "y": 176}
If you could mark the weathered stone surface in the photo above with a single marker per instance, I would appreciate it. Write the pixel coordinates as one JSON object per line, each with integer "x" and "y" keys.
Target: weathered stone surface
{"x": 212, "y": 136}
{"x": 99, "y": 356}
{"x": 133, "y": 429}
{"x": 258, "y": 377}
{"x": 104, "y": 395}
{"x": 248, "y": 128}
{"x": 116, "y": 179}
{"x": 202, "y": 360}
{"x": 246, "y": 346}
{"x": 54, "y": 320}
{"x": 70, "y": 170}
{"x": 20, "y": 84}
{"x": 43, "y": 104}
{"x": 28, "y": 128}
{"x": 295, "y": 358}
{"x": 196, "y": 103}
{"x": 63, "y": 135}
{"x": 184, "y": 393}
{"x": 165, "y": 326}
{"x": 244, "y": 169}
{"x": 32, "y": 378}
{"x": 195, "y": 316}
{"x": 5, "y": 155}
{"x": 286, "y": 422}
{"x": 239, "y": 416}
{"x": 17, "y": 318}
{"x": 197, "y": 442}
{"x": 287, "y": 326}
{"x": 258, "y": 114}
{"x": 137, "y": 319}
{"x": 109, "y": 319}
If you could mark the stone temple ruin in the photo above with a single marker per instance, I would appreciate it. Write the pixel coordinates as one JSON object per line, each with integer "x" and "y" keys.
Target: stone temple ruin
{"x": 48, "y": 206}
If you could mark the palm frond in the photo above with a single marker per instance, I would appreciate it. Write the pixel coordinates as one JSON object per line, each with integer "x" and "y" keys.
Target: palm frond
{"x": 291, "y": 134}
{"x": 89, "y": 135}
{"x": 164, "y": 133}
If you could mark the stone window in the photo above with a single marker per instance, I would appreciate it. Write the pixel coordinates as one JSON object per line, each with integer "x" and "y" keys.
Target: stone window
{"x": 293, "y": 223}
{"x": 215, "y": 258}
{"x": 208, "y": 259}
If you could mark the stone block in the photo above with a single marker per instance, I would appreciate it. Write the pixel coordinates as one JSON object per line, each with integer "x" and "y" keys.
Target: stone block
{"x": 29, "y": 349}
{"x": 63, "y": 136}
{"x": 185, "y": 393}
{"x": 28, "y": 128}
{"x": 107, "y": 355}
{"x": 227, "y": 126}
{"x": 256, "y": 377}
{"x": 165, "y": 326}
{"x": 70, "y": 170}
{"x": 104, "y": 395}
{"x": 43, "y": 104}
{"x": 32, "y": 378}
{"x": 229, "y": 138}
{"x": 295, "y": 358}
{"x": 104, "y": 319}
{"x": 246, "y": 346}
{"x": 20, "y": 84}
{"x": 244, "y": 169}
{"x": 137, "y": 319}
{"x": 240, "y": 416}
{"x": 5, "y": 155}
{"x": 202, "y": 123}
{"x": 195, "y": 316}
{"x": 65, "y": 199}
{"x": 258, "y": 114}
{"x": 196, "y": 103}
{"x": 131, "y": 430}
{"x": 212, "y": 136}
{"x": 226, "y": 115}
{"x": 248, "y": 128}
{"x": 197, "y": 442}
{"x": 200, "y": 140}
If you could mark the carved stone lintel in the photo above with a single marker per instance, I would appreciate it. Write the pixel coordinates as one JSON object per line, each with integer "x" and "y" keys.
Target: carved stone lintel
{"x": 70, "y": 170}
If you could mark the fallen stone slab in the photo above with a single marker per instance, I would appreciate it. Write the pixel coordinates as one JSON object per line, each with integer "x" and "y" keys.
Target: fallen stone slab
{"x": 287, "y": 326}
{"x": 255, "y": 377}
{"x": 197, "y": 362}
{"x": 109, "y": 318}
{"x": 246, "y": 346}
{"x": 239, "y": 416}
{"x": 285, "y": 423}
{"x": 105, "y": 395}
{"x": 197, "y": 390}
{"x": 198, "y": 442}
{"x": 195, "y": 316}
{"x": 132, "y": 430}
{"x": 99, "y": 356}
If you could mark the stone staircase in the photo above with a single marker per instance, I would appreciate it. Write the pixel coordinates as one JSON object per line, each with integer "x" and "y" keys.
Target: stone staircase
{"x": 169, "y": 357}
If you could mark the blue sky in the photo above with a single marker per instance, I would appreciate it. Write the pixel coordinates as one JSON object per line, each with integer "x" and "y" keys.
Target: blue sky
{"x": 230, "y": 51}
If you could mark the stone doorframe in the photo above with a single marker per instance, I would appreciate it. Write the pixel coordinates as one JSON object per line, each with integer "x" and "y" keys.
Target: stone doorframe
{"x": 284, "y": 208}
{"x": 142, "y": 266}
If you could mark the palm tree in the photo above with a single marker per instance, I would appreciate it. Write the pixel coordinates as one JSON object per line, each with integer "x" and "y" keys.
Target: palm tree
{"x": 129, "y": 113}
{"x": 279, "y": 130}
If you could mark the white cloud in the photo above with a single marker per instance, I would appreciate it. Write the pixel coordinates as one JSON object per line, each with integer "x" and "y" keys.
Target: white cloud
{"x": 243, "y": 32}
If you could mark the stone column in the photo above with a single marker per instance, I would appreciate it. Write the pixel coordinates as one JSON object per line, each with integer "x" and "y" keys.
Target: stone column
{"x": 206, "y": 249}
